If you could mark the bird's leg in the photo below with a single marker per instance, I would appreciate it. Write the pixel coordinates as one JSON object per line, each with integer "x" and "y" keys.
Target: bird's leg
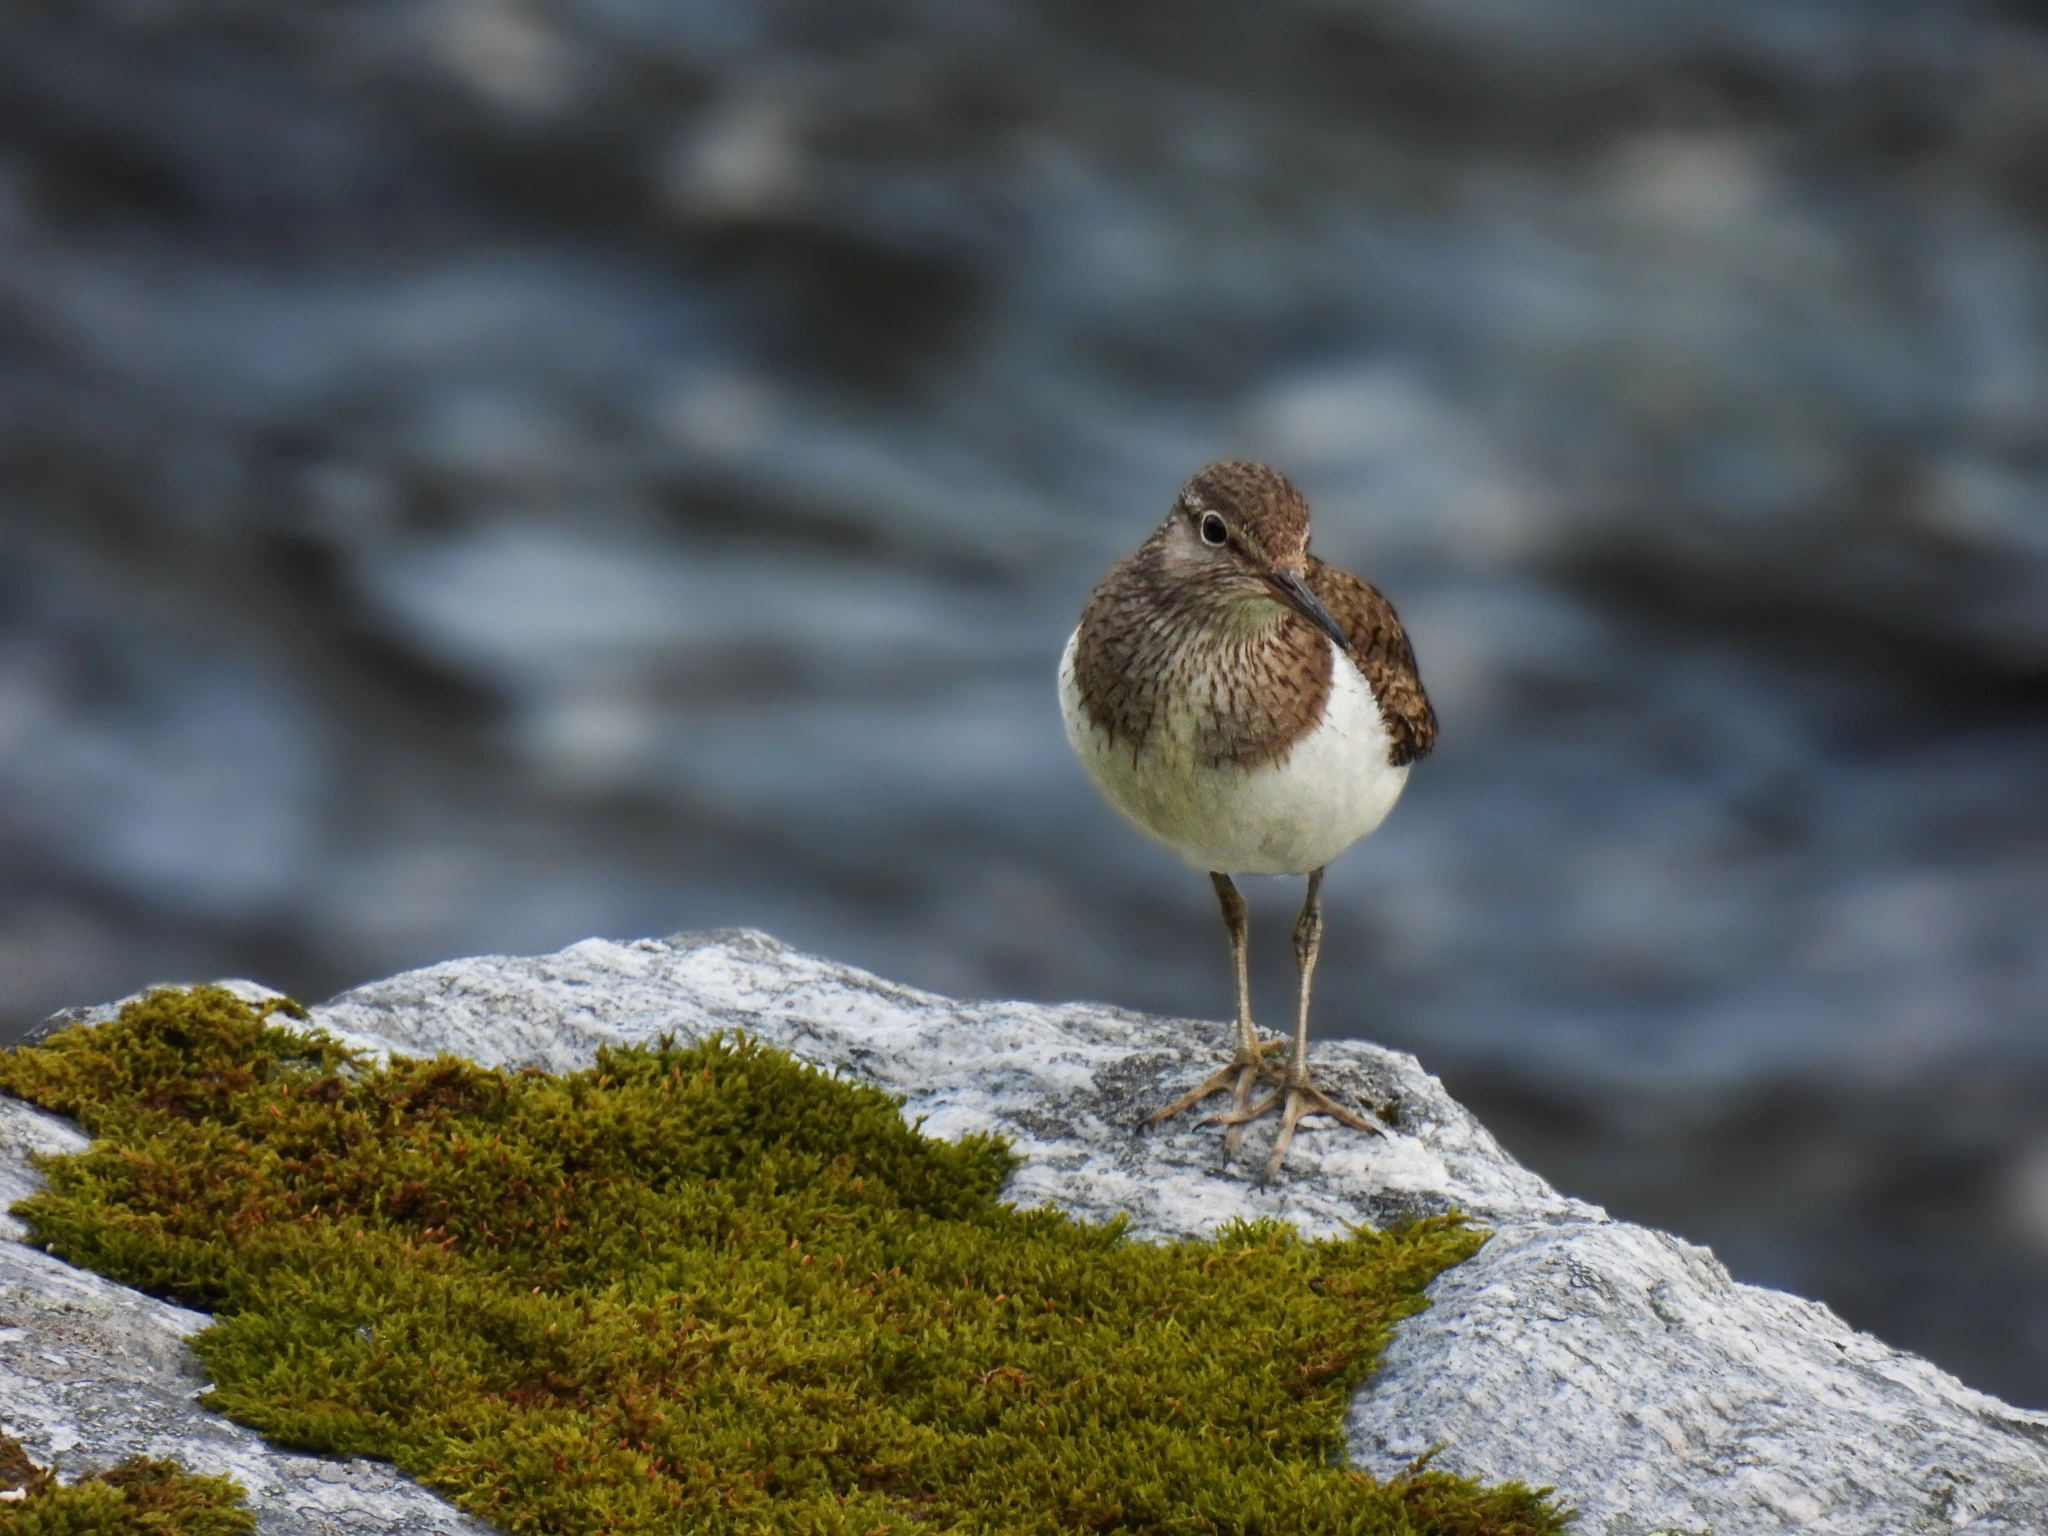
{"x": 1297, "y": 1095}
{"x": 1303, "y": 1096}
{"x": 1247, "y": 1063}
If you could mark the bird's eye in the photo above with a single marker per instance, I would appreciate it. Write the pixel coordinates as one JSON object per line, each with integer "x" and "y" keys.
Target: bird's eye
{"x": 1214, "y": 529}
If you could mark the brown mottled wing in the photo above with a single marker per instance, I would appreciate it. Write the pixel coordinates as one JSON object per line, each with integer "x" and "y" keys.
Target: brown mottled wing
{"x": 1380, "y": 647}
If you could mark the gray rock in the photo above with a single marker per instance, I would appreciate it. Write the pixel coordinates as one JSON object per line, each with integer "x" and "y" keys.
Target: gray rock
{"x": 1621, "y": 1365}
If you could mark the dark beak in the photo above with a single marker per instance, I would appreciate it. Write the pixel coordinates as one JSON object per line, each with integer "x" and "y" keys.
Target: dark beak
{"x": 1293, "y": 591}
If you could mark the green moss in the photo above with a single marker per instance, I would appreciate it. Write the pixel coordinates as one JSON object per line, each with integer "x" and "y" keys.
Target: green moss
{"x": 709, "y": 1288}
{"x": 140, "y": 1497}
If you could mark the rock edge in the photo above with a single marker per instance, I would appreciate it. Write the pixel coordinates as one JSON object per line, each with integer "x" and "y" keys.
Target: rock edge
{"x": 1620, "y": 1364}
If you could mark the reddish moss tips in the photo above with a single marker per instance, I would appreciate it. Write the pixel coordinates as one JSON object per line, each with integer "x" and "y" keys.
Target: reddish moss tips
{"x": 710, "y": 1288}
{"x": 18, "y": 1474}
{"x": 140, "y": 1497}
{"x": 143, "y": 1055}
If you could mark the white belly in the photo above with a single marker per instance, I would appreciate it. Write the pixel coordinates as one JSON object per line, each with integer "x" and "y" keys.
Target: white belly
{"x": 1281, "y": 818}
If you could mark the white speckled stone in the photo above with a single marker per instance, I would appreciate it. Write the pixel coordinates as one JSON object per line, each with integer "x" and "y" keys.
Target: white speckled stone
{"x": 1622, "y": 1365}
{"x": 1069, "y": 1082}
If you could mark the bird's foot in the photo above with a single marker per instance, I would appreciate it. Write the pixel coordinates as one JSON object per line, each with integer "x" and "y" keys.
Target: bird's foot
{"x": 1293, "y": 1100}
{"x": 1246, "y": 1068}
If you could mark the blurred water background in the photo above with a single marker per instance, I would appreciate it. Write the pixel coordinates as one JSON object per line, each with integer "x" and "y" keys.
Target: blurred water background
{"x": 480, "y": 473}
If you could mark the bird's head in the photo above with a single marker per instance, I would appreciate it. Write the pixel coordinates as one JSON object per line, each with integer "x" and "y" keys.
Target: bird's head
{"x": 1239, "y": 531}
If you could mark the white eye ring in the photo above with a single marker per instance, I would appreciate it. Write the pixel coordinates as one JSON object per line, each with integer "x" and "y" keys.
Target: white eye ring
{"x": 1214, "y": 529}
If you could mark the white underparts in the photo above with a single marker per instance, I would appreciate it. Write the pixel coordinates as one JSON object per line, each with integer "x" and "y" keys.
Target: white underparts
{"x": 1280, "y": 818}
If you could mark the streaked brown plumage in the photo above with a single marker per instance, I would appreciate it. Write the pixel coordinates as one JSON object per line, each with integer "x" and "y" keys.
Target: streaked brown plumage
{"x": 1255, "y": 710}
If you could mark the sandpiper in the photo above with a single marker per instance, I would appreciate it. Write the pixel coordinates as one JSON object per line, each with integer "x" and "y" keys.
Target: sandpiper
{"x": 1256, "y": 711}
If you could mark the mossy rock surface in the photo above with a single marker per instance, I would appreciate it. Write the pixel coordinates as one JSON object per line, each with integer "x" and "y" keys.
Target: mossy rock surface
{"x": 140, "y": 1497}
{"x": 709, "y": 1288}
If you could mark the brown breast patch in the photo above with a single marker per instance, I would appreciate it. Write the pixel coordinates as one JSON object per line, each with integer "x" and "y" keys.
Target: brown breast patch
{"x": 1152, "y": 652}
